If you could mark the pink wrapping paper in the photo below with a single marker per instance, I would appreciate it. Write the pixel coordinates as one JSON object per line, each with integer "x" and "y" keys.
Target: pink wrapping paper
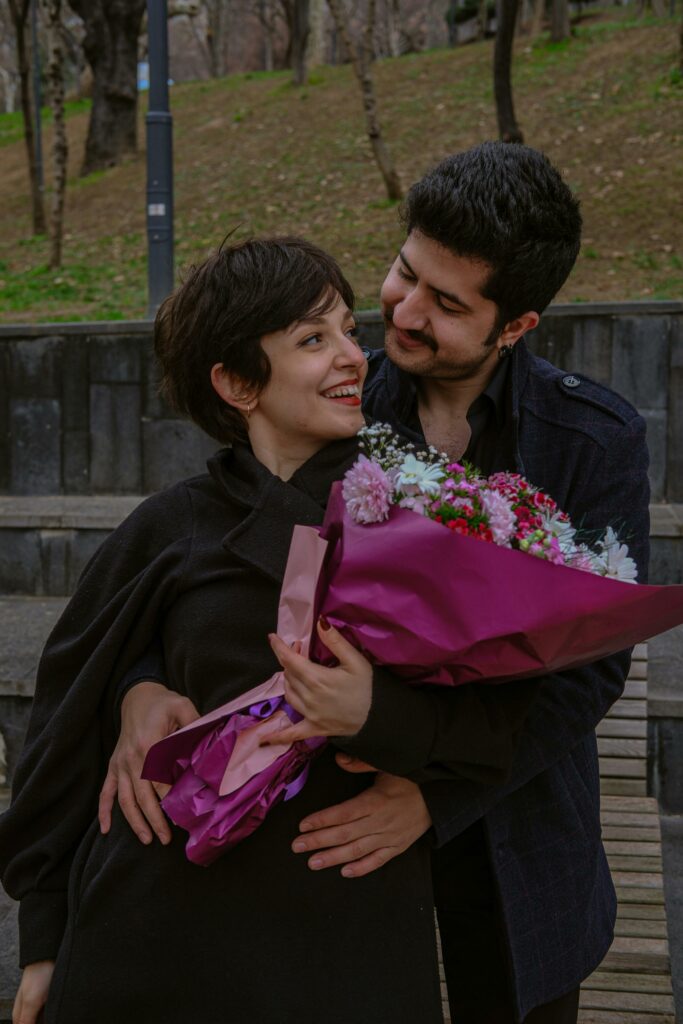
{"x": 440, "y": 607}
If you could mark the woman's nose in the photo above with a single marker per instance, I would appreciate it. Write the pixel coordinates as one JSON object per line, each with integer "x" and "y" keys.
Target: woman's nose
{"x": 349, "y": 352}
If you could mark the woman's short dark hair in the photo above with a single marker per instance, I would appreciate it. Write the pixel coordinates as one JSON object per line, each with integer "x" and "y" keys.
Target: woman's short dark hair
{"x": 506, "y": 205}
{"x": 224, "y": 307}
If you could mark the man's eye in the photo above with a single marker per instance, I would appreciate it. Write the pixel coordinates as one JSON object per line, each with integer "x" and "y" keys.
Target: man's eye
{"x": 405, "y": 275}
{"x": 447, "y": 309}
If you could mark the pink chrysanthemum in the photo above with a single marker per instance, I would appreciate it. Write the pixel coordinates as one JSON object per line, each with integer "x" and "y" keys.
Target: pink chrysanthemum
{"x": 367, "y": 491}
{"x": 501, "y": 518}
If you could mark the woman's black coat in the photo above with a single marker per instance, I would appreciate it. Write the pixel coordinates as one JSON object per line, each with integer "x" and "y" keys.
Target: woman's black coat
{"x": 257, "y": 936}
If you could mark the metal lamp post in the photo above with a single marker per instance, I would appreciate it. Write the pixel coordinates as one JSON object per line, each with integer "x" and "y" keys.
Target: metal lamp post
{"x": 159, "y": 161}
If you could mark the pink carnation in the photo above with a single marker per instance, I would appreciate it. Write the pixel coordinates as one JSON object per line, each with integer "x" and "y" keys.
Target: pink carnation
{"x": 367, "y": 491}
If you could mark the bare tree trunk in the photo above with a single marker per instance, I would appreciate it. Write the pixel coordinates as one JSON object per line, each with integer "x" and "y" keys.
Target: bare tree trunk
{"x": 60, "y": 148}
{"x": 537, "y": 19}
{"x": 559, "y": 21}
{"x": 393, "y": 28}
{"x": 298, "y": 19}
{"x": 19, "y": 10}
{"x": 216, "y": 37}
{"x": 508, "y": 128}
{"x": 680, "y": 52}
{"x": 482, "y": 19}
{"x": 112, "y": 28}
{"x": 362, "y": 59}
{"x": 315, "y": 53}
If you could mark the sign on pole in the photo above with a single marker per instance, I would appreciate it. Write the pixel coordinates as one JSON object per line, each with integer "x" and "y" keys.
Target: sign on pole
{"x": 159, "y": 161}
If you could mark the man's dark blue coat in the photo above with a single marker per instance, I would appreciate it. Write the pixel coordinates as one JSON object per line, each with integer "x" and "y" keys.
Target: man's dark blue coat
{"x": 585, "y": 446}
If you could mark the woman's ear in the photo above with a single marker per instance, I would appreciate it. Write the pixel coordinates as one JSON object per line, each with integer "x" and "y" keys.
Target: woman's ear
{"x": 232, "y": 389}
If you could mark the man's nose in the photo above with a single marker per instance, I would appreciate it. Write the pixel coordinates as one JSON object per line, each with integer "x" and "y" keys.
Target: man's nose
{"x": 410, "y": 312}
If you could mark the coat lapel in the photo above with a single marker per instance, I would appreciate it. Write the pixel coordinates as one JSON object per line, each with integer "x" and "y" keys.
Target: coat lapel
{"x": 273, "y": 506}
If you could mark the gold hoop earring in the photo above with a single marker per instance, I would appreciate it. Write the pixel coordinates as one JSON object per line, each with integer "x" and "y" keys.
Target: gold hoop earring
{"x": 248, "y": 409}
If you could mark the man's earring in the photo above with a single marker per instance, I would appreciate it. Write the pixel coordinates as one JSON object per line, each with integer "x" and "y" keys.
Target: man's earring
{"x": 504, "y": 351}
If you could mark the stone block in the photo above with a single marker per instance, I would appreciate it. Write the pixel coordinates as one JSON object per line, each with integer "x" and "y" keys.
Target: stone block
{"x": 75, "y": 405}
{"x": 656, "y": 420}
{"x": 665, "y": 755}
{"x": 115, "y": 360}
{"x": 64, "y": 555}
{"x": 371, "y": 333}
{"x": 666, "y": 560}
{"x": 76, "y": 462}
{"x": 36, "y": 368}
{"x": 25, "y": 624}
{"x": 173, "y": 450}
{"x": 674, "y": 476}
{"x": 14, "y": 715}
{"x": 35, "y": 458}
{"x": 591, "y": 350}
{"x": 115, "y": 456}
{"x": 553, "y": 340}
{"x": 20, "y": 563}
{"x": 153, "y": 405}
{"x": 640, "y": 360}
{"x": 665, "y": 666}
{"x": 9, "y": 955}
{"x": 5, "y": 447}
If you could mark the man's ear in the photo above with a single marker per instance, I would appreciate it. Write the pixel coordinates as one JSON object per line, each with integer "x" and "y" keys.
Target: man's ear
{"x": 232, "y": 389}
{"x": 518, "y": 327}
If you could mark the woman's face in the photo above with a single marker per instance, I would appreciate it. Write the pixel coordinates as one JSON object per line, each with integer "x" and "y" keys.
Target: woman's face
{"x": 314, "y": 392}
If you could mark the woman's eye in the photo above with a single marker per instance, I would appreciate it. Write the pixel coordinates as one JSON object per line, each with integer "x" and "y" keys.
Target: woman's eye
{"x": 352, "y": 332}
{"x": 312, "y": 339}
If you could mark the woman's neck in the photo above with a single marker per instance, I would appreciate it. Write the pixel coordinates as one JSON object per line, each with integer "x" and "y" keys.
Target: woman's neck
{"x": 282, "y": 458}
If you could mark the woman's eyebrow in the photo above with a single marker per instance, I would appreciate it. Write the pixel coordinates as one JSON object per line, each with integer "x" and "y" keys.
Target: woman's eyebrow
{"x": 450, "y": 296}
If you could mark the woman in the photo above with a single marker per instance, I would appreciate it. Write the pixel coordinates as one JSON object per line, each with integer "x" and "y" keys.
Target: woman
{"x": 258, "y": 347}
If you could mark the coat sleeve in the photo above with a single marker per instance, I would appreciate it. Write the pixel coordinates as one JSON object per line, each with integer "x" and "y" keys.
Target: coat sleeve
{"x": 117, "y": 606}
{"x": 568, "y": 705}
{"x": 491, "y": 736}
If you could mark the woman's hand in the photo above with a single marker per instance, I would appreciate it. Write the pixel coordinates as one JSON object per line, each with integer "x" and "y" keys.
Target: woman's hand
{"x": 32, "y": 994}
{"x": 333, "y": 701}
{"x": 149, "y": 712}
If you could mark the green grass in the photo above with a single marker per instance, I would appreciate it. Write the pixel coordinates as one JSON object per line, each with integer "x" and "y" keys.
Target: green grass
{"x": 12, "y": 125}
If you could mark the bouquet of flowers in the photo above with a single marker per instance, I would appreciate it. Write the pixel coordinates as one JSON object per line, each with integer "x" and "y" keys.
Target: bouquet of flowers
{"x": 441, "y": 575}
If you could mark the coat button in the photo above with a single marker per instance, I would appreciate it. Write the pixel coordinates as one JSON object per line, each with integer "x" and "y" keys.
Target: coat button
{"x": 571, "y": 382}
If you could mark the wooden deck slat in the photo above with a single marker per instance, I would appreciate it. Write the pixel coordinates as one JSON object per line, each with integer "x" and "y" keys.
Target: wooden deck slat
{"x": 623, "y": 787}
{"x": 636, "y": 894}
{"x": 621, "y": 747}
{"x": 647, "y": 1002}
{"x": 629, "y": 709}
{"x": 632, "y": 848}
{"x": 638, "y": 669}
{"x": 628, "y": 982}
{"x": 632, "y": 927}
{"x": 645, "y": 911}
{"x": 631, "y": 833}
{"x": 645, "y": 805}
{"x": 630, "y": 728}
{"x": 637, "y": 864}
{"x": 623, "y": 767}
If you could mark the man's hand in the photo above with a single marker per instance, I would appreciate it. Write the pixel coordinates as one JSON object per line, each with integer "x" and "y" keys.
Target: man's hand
{"x": 365, "y": 832}
{"x": 33, "y": 991}
{"x": 149, "y": 712}
{"x": 334, "y": 701}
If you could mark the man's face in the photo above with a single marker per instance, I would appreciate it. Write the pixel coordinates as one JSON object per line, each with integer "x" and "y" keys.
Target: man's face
{"x": 437, "y": 323}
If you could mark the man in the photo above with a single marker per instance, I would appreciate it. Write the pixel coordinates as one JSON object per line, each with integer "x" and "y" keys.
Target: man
{"x": 525, "y": 902}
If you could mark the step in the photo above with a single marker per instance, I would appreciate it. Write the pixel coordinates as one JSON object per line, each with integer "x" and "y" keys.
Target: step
{"x": 46, "y": 541}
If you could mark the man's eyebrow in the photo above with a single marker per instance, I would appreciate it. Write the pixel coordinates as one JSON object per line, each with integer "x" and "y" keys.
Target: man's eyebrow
{"x": 450, "y": 296}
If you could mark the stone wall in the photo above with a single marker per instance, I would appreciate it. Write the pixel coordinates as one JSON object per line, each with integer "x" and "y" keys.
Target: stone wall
{"x": 80, "y": 414}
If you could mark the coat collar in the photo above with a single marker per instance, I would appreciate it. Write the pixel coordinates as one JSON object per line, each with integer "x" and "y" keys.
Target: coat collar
{"x": 273, "y": 506}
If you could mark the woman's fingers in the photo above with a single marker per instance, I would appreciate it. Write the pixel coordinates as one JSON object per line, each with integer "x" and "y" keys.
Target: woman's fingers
{"x": 353, "y": 764}
{"x": 33, "y": 992}
{"x": 131, "y": 812}
{"x": 148, "y": 802}
{"x": 106, "y": 801}
{"x": 292, "y": 733}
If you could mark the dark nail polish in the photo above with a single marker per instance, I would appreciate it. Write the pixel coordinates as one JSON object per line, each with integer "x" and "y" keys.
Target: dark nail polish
{"x": 324, "y": 623}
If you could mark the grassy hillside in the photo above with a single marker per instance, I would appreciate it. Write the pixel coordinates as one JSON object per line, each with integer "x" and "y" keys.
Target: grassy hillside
{"x": 256, "y": 154}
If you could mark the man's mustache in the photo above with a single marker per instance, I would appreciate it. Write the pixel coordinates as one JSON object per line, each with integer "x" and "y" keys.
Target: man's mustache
{"x": 426, "y": 339}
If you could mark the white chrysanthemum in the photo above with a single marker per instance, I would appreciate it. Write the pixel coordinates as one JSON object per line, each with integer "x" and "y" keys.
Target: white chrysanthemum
{"x": 560, "y": 528}
{"x": 616, "y": 559}
{"x": 417, "y": 477}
